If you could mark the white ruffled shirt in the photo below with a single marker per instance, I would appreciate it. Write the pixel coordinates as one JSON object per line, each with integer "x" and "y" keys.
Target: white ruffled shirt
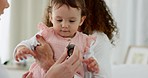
{"x": 102, "y": 50}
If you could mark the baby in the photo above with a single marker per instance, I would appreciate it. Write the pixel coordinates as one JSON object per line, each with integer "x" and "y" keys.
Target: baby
{"x": 66, "y": 17}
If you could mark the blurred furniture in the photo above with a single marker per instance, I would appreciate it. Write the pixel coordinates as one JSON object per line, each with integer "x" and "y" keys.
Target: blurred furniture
{"x": 137, "y": 55}
{"x": 130, "y": 71}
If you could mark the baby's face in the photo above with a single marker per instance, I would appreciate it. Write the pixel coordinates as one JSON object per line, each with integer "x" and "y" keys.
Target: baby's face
{"x": 66, "y": 20}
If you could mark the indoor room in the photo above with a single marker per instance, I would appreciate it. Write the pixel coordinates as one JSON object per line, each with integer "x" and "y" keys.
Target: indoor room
{"x": 129, "y": 50}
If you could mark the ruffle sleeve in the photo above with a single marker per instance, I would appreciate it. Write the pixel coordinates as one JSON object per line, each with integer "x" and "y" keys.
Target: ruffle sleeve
{"x": 90, "y": 40}
{"x": 45, "y": 31}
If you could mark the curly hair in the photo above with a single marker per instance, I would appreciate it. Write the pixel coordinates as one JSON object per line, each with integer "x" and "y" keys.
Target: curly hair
{"x": 100, "y": 19}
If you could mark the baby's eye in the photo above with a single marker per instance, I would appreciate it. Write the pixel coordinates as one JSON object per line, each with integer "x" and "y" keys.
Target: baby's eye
{"x": 71, "y": 21}
{"x": 59, "y": 20}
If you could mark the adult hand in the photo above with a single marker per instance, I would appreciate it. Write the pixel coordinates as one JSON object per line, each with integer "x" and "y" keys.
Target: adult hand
{"x": 63, "y": 67}
{"x": 44, "y": 54}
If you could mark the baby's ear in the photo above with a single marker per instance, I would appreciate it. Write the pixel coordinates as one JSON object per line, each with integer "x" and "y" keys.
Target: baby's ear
{"x": 82, "y": 20}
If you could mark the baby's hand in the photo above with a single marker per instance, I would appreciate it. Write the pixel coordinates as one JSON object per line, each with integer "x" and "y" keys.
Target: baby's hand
{"x": 22, "y": 52}
{"x": 92, "y": 65}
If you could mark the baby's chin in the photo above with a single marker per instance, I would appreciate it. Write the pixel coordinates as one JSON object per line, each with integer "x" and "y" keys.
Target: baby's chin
{"x": 66, "y": 36}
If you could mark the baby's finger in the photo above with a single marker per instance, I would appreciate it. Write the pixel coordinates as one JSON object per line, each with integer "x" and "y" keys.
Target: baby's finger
{"x": 25, "y": 57}
{"x": 19, "y": 58}
{"x": 93, "y": 63}
{"x": 85, "y": 61}
{"x": 91, "y": 59}
{"x": 16, "y": 59}
{"x": 96, "y": 69}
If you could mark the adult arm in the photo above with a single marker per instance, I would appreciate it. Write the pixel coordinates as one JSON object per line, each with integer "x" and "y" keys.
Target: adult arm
{"x": 102, "y": 52}
{"x": 29, "y": 43}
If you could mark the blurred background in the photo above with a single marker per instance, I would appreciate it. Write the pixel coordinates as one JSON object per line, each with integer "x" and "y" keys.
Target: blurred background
{"x": 20, "y": 20}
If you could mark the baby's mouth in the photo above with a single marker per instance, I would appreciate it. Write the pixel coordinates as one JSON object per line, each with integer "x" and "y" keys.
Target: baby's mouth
{"x": 65, "y": 31}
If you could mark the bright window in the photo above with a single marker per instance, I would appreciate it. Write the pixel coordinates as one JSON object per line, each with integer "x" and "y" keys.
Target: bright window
{"x": 4, "y": 34}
